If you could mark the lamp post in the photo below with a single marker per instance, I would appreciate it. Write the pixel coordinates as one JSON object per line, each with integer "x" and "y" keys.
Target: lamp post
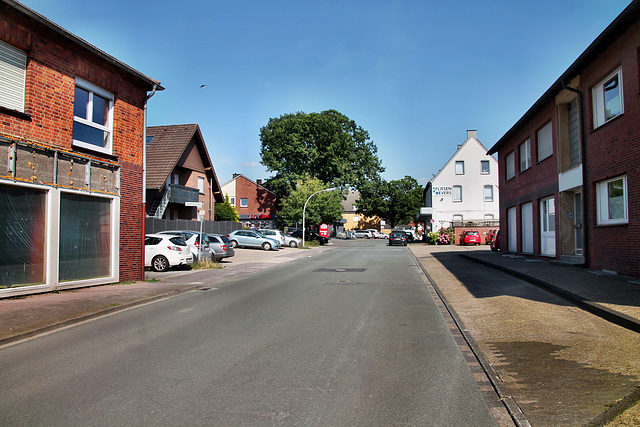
{"x": 305, "y": 207}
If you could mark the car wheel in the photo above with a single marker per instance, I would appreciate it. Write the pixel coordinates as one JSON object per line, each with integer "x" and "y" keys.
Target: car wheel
{"x": 160, "y": 263}
{"x": 266, "y": 246}
{"x": 234, "y": 243}
{"x": 293, "y": 244}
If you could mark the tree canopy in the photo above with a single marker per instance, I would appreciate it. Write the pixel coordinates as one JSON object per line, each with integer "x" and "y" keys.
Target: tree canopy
{"x": 328, "y": 146}
{"x": 225, "y": 212}
{"x": 396, "y": 202}
{"x": 325, "y": 207}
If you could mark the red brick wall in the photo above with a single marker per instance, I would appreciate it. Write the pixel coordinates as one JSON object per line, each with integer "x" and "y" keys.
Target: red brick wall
{"x": 613, "y": 149}
{"x": 53, "y": 62}
{"x": 260, "y": 201}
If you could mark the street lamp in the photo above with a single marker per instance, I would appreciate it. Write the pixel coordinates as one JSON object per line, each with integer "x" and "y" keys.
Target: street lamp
{"x": 305, "y": 207}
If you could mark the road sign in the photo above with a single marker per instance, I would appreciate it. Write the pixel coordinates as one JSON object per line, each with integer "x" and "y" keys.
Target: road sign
{"x": 196, "y": 204}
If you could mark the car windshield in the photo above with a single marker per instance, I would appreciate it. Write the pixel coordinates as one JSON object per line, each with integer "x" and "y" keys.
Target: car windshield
{"x": 472, "y": 233}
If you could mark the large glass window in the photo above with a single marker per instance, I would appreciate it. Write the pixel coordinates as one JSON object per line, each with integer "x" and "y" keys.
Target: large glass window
{"x": 85, "y": 237}
{"x": 510, "y": 165}
{"x": 92, "y": 117}
{"x": 611, "y": 199}
{"x": 22, "y": 231}
{"x": 525, "y": 155}
{"x": 607, "y": 99}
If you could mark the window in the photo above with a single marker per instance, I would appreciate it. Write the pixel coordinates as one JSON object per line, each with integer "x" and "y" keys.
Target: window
{"x": 545, "y": 142}
{"x": 485, "y": 167}
{"x": 232, "y": 201}
{"x": 611, "y": 199}
{"x": 460, "y": 168}
{"x": 457, "y": 217}
{"x": 13, "y": 70}
{"x": 92, "y": 117}
{"x": 244, "y": 203}
{"x": 488, "y": 193}
{"x": 511, "y": 165}
{"x": 457, "y": 193}
{"x": 525, "y": 155}
{"x": 607, "y": 99}
{"x": 201, "y": 185}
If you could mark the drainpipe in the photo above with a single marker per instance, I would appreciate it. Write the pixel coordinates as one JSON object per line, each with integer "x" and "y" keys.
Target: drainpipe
{"x": 583, "y": 153}
{"x": 144, "y": 170}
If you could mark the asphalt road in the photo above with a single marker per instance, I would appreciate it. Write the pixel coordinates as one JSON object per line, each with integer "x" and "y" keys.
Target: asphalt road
{"x": 350, "y": 337}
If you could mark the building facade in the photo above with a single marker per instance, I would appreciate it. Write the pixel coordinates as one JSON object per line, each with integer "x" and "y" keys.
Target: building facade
{"x": 569, "y": 179}
{"x": 181, "y": 181}
{"x": 72, "y": 129}
{"x": 464, "y": 191}
{"x": 256, "y": 205}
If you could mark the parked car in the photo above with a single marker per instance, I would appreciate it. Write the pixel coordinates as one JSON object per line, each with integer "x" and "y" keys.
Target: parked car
{"x": 252, "y": 239}
{"x": 292, "y": 242}
{"x": 363, "y": 234}
{"x": 162, "y": 251}
{"x": 310, "y": 236}
{"x": 411, "y": 234}
{"x": 495, "y": 243}
{"x": 398, "y": 238}
{"x": 489, "y": 236}
{"x": 220, "y": 247}
{"x": 277, "y": 235}
{"x": 471, "y": 237}
{"x": 194, "y": 240}
{"x": 375, "y": 233}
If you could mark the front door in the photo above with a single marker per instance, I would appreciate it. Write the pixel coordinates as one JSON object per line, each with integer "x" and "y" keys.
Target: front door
{"x": 577, "y": 202}
{"x": 548, "y": 227}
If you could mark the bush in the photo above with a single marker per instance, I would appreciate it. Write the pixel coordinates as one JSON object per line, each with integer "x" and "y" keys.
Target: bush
{"x": 444, "y": 236}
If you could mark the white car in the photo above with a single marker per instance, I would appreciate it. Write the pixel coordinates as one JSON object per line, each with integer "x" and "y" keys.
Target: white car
{"x": 284, "y": 240}
{"x": 194, "y": 240}
{"x": 376, "y": 234}
{"x": 162, "y": 251}
{"x": 366, "y": 234}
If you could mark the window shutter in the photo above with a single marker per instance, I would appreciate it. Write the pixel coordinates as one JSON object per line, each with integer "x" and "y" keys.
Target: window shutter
{"x": 13, "y": 66}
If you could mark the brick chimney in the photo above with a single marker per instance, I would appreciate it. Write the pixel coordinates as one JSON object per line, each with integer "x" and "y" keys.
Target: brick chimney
{"x": 472, "y": 134}
{"x": 259, "y": 181}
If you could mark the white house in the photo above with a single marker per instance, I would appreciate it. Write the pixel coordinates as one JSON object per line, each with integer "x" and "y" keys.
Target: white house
{"x": 465, "y": 191}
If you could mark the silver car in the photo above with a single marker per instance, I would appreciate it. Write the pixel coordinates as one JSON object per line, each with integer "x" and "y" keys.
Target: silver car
{"x": 284, "y": 239}
{"x": 221, "y": 247}
{"x": 252, "y": 239}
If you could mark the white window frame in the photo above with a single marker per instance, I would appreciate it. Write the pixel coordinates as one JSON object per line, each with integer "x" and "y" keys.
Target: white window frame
{"x": 544, "y": 141}
{"x": 603, "y": 202}
{"x": 457, "y": 197}
{"x": 244, "y": 203}
{"x": 459, "y": 167}
{"x": 13, "y": 77}
{"x": 482, "y": 167}
{"x": 525, "y": 155}
{"x": 201, "y": 185}
{"x": 488, "y": 193}
{"x": 510, "y": 165}
{"x": 232, "y": 201}
{"x": 600, "y": 116}
{"x": 108, "y": 127}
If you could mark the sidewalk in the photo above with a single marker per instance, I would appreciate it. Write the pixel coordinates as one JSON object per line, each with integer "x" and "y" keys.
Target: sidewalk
{"x": 22, "y": 317}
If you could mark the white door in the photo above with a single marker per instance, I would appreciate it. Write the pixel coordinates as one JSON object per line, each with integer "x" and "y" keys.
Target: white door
{"x": 513, "y": 230}
{"x": 548, "y": 227}
{"x": 527, "y": 228}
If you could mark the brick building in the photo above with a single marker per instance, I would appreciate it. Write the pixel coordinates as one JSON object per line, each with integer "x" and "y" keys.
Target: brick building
{"x": 570, "y": 182}
{"x": 255, "y": 204}
{"x": 179, "y": 171}
{"x": 72, "y": 129}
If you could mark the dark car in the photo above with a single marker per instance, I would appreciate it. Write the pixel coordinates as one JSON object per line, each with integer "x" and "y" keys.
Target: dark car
{"x": 398, "y": 238}
{"x": 495, "y": 243}
{"x": 310, "y": 236}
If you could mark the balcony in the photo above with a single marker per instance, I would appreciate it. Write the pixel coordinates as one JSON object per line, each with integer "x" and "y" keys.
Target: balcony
{"x": 181, "y": 194}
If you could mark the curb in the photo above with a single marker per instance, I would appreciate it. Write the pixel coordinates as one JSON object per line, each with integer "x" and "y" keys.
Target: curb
{"x": 595, "y": 308}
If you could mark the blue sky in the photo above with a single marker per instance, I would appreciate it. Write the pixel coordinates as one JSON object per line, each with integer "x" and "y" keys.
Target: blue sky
{"x": 415, "y": 74}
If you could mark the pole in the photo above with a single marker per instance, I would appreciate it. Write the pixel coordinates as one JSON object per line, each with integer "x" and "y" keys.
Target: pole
{"x": 305, "y": 207}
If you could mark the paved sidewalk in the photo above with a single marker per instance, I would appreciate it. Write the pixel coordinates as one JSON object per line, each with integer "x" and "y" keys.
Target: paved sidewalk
{"x": 22, "y": 317}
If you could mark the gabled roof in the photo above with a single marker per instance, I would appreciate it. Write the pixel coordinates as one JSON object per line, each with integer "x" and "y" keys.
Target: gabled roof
{"x": 460, "y": 148}
{"x": 83, "y": 43}
{"x": 616, "y": 29}
{"x": 168, "y": 147}
{"x": 239, "y": 175}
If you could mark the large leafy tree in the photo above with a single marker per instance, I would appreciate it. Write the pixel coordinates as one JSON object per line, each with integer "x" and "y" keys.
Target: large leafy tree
{"x": 225, "y": 212}
{"x": 396, "y": 202}
{"x": 328, "y": 146}
{"x": 325, "y": 207}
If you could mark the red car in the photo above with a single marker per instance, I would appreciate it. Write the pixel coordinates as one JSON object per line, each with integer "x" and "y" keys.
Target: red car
{"x": 495, "y": 243}
{"x": 489, "y": 236}
{"x": 471, "y": 237}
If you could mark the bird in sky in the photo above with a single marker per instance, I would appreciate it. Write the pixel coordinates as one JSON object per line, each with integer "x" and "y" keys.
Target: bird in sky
{"x": 203, "y": 86}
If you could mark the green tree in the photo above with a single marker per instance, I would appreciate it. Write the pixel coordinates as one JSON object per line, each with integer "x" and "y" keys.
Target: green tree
{"x": 225, "y": 212}
{"x": 325, "y": 207}
{"x": 328, "y": 146}
{"x": 396, "y": 202}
